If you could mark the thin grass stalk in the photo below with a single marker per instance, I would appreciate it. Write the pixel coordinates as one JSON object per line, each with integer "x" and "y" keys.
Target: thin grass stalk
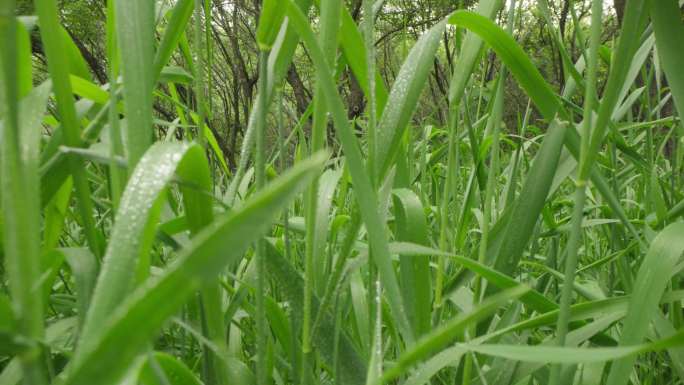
{"x": 492, "y": 175}
{"x": 449, "y": 184}
{"x": 20, "y": 203}
{"x": 368, "y": 25}
{"x": 210, "y": 302}
{"x": 510, "y": 194}
{"x": 282, "y": 163}
{"x": 199, "y": 69}
{"x": 209, "y": 53}
{"x": 376, "y": 358}
{"x": 117, "y": 174}
{"x": 374, "y": 286}
{"x": 580, "y": 186}
{"x": 248, "y": 140}
{"x": 330, "y": 16}
{"x": 452, "y": 171}
{"x": 260, "y": 254}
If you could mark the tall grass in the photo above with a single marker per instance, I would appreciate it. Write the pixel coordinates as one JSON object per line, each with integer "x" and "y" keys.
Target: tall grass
{"x": 546, "y": 250}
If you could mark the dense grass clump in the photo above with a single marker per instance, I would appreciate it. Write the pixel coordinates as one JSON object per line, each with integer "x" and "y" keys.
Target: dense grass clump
{"x": 331, "y": 192}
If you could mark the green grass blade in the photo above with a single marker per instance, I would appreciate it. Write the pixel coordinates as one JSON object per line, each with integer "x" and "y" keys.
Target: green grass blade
{"x": 20, "y": 195}
{"x": 352, "y": 45}
{"x": 278, "y": 63}
{"x": 444, "y": 334}
{"x": 180, "y": 15}
{"x": 653, "y": 276}
{"x": 352, "y": 364}
{"x": 402, "y": 100}
{"x": 59, "y": 73}
{"x": 514, "y": 57}
{"x": 135, "y": 35}
{"x": 411, "y": 226}
{"x": 528, "y": 206}
{"x": 326, "y": 190}
{"x": 470, "y": 52}
{"x": 75, "y": 61}
{"x": 173, "y": 372}
{"x": 126, "y": 332}
{"x": 531, "y": 298}
{"x": 196, "y": 190}
{"x": 270, "y": 20}
{"x": 127, "y": 253}
{"x": 669, "y": 33}
{"x": 566, "y": 355}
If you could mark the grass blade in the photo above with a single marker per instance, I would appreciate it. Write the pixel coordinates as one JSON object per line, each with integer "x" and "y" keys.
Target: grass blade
{"x": 58, "y": 69}
{"x": 126, "y": 261}
{"x": 20, "y": 195}
{"x": 402, "y": 100}
{"x": 444, "y": 334}
{"x": 135, "y": 35}
{"x": 141, "y": 315}
{"x": 653, "y": 276}
{"x": 669, "y": 33}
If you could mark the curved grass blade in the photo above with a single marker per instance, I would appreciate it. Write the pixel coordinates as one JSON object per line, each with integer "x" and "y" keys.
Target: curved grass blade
{"x": 548, "y": 103}
{"x": 524, "y": 214}
{"x": 270, "y": 20}
{"x": 164, "y": 369}
{"x": 515, "y": 59}
{"x": 127, "y": 253}
{"x": 568, "y": 355}
{"x": 402, "y": 100}
{"x": 174, "y": 30}
{"x": 531, "y": 298}
{"x": 444, "y": 334}
{"x": 142, "y": 314}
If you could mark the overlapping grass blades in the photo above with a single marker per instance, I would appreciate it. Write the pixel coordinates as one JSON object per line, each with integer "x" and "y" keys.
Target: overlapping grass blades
{"x": 138, "y": 317}
{"x": 365, "y": 194}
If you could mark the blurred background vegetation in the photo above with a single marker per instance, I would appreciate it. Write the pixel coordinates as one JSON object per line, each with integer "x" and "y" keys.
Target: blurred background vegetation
{"x": 234, "y": 73}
